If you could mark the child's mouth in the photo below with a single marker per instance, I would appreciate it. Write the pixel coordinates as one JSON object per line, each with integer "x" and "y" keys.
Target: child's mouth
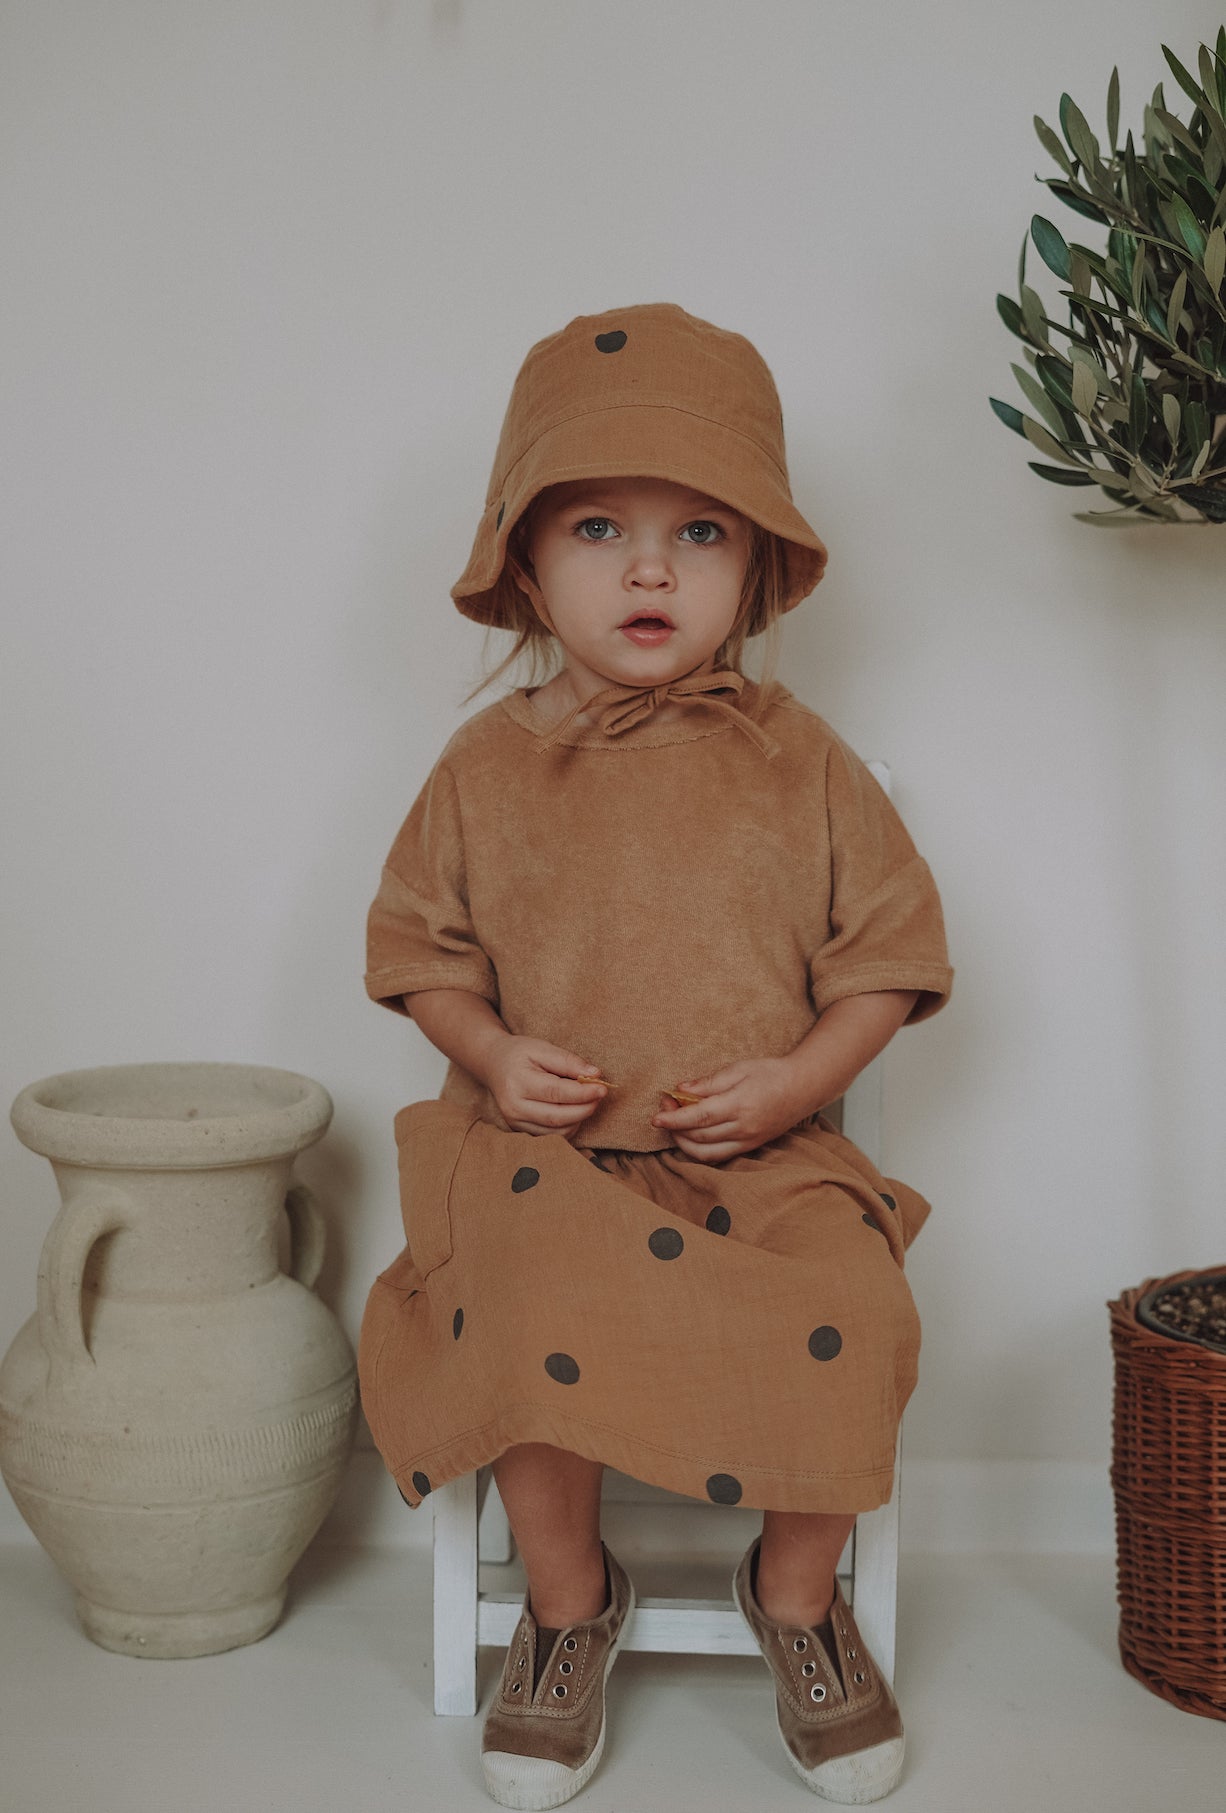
{"x": 647, "y": 631}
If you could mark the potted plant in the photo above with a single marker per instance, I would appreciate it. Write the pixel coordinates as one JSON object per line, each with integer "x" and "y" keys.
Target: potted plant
{"x": 1130, "y": 394}
{"x": 1168, "y": 1476}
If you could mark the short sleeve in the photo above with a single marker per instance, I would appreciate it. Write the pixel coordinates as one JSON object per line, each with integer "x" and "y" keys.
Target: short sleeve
{"x": 886, "y": 929}
{"x": 419, "y": 932}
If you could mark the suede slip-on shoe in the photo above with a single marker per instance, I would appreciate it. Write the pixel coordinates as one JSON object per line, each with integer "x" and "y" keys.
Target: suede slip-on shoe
{"x": 837, "y": 1717}
{"x": 539, "y": 1748}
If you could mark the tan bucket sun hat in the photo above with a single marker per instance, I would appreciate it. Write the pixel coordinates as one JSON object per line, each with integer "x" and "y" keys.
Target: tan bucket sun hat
{"x": 648, "y": 391}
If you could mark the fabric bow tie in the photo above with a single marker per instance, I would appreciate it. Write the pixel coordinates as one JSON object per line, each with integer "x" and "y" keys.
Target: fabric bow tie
{"x": 620, "y": 708}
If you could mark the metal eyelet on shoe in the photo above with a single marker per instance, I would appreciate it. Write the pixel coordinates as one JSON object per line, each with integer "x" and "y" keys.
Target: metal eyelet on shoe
{"x": 566, "y": 1668}
{"x": 817, "y": 1693}
{"x": 516, "y": 1686}
{"x": 852, "y": 1654}
{"x": 522, "y": 1663}
{"x": 808, "y": 1668}
{"x": 858, "y": 1677}
{"x": 570, "y": 1643}
{"x": 559, "y": 1692}
{"x": 800, "y": 1645}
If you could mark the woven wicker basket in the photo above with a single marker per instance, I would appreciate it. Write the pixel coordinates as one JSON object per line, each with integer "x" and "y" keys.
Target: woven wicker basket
{"x": 1168, "y": 1473}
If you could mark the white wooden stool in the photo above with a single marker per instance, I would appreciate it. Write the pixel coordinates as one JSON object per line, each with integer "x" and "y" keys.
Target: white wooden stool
{"x": 470, "y": 1523}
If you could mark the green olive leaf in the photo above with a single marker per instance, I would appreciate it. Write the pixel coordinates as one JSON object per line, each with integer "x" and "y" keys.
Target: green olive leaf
{"x": 1038, "y": 398}
{"x": 1198, "y": 464}
{"x": 1171, "y": 415}
{"x": 1081, "y": 140}
{"x": 1079, "y": 271}
{"x": 1214, "y": 260}
{"x": 1051, "y": 246}
{"x": 1032, "y": 315}
{"x": 1085, "y": 388}
{"x": 1174, "y": 307}
{"x": 1046, "y": 443}
{"x": 1052, "y": 145}
{"x": 1011, "y": 417}
{"x": 1010, "y": 314}
{"x": 1189, "y": 226}
{"x": 1113, "y": 107}
{"x": 1178, "y": 131}
{"x": 1181, "y": 75}
{"x": 1060, "y": 475}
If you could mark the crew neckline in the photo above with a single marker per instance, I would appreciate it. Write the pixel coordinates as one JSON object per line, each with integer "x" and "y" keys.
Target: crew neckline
{"x": 695, "y": 723}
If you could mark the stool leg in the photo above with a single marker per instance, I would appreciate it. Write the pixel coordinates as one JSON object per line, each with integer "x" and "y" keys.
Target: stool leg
{"x": 875, "y": 1575}
{"x": 455, "y": 1596}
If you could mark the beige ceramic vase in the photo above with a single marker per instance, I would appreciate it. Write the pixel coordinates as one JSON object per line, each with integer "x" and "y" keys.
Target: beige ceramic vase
{"x": 176, "y": 1418}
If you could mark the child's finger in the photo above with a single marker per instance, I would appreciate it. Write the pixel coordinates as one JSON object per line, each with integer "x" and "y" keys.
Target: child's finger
{"x": 567, "y": 1063}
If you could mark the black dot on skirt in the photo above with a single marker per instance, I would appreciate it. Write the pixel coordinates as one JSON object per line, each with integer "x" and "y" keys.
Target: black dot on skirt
{"x": 872, "y": 1222}
{"x": 719, "y": 1220}
{"x": 562, "y": 1367}
{"x": 666, "y": 1243}
{"x": 887, "y": 1200}
{"x": 421, "y": 1483}
{"x": 825, "y": 1342}
{"x": 457, "y": 1323}
{"x": 524, "y": 1178}
{"x": 722, "y": 1489}
{"x": 611, "y": 342}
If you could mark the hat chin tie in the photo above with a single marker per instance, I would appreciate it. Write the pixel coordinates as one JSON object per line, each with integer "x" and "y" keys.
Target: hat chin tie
{"x": 620, "y": 708}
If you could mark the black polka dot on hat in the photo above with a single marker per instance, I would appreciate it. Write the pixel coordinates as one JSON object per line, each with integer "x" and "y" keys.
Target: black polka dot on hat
{"x": 502, "y": 510}
{"x": 457, "y": 1323}
{"x": 562, "y": 1367}
{"x": 421, "y": 1483}
{"x": 825, "y": 1342}
{"x": 870, "y": 1221}
{"x": 524, "y": 1178}
{"x": 723, "y": 1489}
{"x": 887, "y": 1200}
{"x": 719, "y": 1220}
{"x": 610, "y": 342}
{"x": 666, "y": 1243}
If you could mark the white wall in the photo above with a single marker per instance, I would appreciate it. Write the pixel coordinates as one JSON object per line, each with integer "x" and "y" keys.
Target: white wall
{"x": 270, "y": 270}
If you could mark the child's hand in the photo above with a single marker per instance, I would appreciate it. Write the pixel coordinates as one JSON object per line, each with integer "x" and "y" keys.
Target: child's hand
{"x": 537, "y": 1088}
{"x": 741, "y": 1107}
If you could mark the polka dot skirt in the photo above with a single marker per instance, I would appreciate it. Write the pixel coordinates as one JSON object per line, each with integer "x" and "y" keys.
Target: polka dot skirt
{"x": 741, "y": 1333}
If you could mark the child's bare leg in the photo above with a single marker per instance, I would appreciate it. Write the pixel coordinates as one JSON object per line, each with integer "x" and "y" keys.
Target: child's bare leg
{"x": 796, "y": 1564}
{"x": 552, "y": 1500}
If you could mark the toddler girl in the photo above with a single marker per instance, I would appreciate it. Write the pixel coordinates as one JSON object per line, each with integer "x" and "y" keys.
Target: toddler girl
{"x": 657, "y": 916}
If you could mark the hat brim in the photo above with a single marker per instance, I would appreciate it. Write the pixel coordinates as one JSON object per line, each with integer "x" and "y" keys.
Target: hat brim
{"x": 644, "y": 441}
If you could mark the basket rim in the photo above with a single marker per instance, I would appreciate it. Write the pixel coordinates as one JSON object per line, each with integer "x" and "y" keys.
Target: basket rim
{"x": 1130, "y": 1305}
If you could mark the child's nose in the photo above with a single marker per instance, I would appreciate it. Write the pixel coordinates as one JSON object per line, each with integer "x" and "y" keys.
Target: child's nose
{"x": 649, "y": 566}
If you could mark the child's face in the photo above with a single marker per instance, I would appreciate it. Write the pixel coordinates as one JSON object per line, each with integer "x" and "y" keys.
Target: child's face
{"x": 608, "y": 552}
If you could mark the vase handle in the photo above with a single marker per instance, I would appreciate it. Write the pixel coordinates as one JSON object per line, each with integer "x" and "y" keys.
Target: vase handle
{"x": 308, "y": 1235}
{"x": 74, "y": 1233}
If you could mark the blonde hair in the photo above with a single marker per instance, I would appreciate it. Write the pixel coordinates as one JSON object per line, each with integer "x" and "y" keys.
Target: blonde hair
{"x": 762, "y": 603}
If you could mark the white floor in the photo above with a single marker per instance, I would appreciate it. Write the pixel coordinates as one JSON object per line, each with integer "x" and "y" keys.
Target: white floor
{"x": 1008, "y": 1678}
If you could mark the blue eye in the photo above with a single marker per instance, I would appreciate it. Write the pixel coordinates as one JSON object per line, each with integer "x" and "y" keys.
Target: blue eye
{"x": 711, "y": 532}
{"x": 596, "y": 522}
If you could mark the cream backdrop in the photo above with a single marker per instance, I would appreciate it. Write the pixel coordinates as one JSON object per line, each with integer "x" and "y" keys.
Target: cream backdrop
{"x": 270, "y": 270}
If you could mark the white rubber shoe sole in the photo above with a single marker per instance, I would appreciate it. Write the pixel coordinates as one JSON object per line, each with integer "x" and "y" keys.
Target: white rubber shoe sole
{"x": 531, "y": 1784}
{"x": 855, "y": 1780}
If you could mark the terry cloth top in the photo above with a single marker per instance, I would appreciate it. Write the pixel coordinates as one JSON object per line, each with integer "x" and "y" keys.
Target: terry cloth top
{"x": 660, "y": 902}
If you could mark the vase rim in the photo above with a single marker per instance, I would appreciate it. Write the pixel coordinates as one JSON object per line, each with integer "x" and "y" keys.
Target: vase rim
{"x": 174, "y": 1115}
